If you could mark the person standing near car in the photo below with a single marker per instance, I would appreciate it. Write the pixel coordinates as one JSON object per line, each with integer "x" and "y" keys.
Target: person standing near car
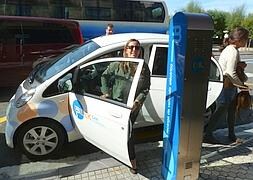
{"x": 226, "y": 102}
{"x": 109, "y": 29}
{"x": 132, "y": 49}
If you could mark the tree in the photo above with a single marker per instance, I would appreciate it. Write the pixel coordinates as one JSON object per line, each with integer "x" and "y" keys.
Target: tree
{"x": 219, "y": 20}
{"x": 248, "y": 23}
{"x": 193, "y": 7}
{"x": 224, "y": 20}
{"x": 236, "y": 17}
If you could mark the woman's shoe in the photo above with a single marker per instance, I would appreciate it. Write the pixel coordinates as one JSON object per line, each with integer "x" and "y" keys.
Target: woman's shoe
{"x": 232, "y": 137}
{"x": 133, "y": 171}
{"x": 210, "y": 139}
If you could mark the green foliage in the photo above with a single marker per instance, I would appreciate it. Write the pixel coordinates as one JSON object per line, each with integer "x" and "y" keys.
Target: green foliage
{"x": 248, "y": 23}
{"x": 236, "y": 17}
{"x": 193, "y": 7}
{"x": 219, "y": 21}
{"x": 224, "y": 20}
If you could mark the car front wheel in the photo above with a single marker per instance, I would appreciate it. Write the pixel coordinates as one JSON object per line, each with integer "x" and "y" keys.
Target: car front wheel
{"x": 40, "y": 138}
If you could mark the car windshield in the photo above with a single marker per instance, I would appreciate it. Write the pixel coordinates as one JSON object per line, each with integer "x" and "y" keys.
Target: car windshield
{"x": 59, "y": 64}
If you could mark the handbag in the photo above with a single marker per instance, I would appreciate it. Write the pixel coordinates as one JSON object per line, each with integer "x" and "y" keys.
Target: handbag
{"x": 243, "y": 100}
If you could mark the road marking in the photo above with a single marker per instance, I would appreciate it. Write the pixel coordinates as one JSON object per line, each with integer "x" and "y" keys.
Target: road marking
{"x": 2, "y": 119}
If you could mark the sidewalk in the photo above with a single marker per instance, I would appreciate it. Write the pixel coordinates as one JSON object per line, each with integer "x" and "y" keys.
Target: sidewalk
{"x": 226, "y": 161}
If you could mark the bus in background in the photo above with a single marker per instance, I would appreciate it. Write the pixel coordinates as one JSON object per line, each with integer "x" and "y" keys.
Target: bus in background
{"x": 94, "y": 15}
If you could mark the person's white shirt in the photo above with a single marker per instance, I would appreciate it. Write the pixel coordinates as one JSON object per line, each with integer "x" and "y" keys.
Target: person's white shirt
{"x": 228, "y": 60}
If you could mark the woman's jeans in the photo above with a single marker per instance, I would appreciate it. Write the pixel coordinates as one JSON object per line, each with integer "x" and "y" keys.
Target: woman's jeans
{"x": 225, "y": 107}
{"x": 131, "y": 140}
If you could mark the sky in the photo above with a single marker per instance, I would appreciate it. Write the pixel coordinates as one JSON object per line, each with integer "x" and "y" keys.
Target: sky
{"x": 224, "y": 5}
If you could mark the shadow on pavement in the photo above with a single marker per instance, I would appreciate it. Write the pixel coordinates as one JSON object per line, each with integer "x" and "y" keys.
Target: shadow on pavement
{"x": 8, "y": 156}
{"x": 215, "y": 153}
{"x": 7, "y": 93}
{"x": 227, "y": 170}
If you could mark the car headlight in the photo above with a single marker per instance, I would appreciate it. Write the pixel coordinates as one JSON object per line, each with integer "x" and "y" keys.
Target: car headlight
{"x": 24, "y": 98}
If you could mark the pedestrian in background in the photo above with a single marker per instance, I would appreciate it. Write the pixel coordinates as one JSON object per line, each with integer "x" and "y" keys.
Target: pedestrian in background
{"x": 226, "y": 102}
{"x": 109, "y": 29}
{"x": 121, "y": 71}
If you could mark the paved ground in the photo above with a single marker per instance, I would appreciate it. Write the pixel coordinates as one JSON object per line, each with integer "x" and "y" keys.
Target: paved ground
{"x": 217, "y": 161}
{"x": 220, "y": 161}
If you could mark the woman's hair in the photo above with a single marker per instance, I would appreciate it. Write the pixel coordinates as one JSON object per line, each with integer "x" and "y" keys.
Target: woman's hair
{"x": 238, "y": 34}
{"x": 129, "y": 41}
{"x": 128, "y": 67}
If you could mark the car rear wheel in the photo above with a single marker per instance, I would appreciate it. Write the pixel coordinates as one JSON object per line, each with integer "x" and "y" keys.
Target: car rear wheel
{"x": 40, "y": 138}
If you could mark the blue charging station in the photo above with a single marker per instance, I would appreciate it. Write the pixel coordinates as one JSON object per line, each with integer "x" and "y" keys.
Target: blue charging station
{"x": 190, "y": 48}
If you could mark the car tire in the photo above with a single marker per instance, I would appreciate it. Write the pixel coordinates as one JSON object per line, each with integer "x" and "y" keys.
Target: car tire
{"x": 40, "y": 138}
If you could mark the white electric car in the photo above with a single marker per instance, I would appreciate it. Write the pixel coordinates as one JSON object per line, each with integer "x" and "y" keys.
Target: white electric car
{"x": 60, "y": 101}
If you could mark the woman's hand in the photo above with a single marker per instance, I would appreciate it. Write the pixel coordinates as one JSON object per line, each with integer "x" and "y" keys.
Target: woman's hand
{"x": 137, "y": 104}
{"x": 104, "y": 96}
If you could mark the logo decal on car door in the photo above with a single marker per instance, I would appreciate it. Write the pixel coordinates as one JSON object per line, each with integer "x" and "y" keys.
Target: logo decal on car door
{"x": 78, "y": 110}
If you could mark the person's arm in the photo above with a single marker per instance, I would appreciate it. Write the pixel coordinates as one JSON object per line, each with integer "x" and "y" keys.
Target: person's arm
{"x": 243, "y": 86}
{"x": 144, "y": 86}
{"x": 105, "y": 78}
{"x": 142, "y": 96}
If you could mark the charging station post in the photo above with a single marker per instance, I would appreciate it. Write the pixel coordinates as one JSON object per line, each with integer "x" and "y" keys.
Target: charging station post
{"x": 190, "y": 49}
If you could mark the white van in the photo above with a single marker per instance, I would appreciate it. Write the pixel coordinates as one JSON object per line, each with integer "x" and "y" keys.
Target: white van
{"x": 60, "y": 102}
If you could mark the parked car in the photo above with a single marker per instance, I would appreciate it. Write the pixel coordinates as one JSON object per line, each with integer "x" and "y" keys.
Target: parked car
{"x": 61, "y": 102}
{"x": 23, "y": 40}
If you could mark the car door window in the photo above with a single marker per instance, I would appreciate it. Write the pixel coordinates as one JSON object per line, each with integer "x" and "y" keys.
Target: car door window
{"x": 64, "y": 84}
{"x": 159, "y": 67}
{"x": 89, "y": 79}
{"x": 160, "y": 61}
{"x": 215, "y": 73}
{"x": 98, "y": 78}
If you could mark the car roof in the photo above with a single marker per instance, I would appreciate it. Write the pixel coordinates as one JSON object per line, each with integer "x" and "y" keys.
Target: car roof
{"x": 103, "y": 41}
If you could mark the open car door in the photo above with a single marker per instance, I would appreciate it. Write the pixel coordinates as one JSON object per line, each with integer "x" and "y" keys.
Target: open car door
{"x": 215, "y": 84}
{"x": 103, "y": 122}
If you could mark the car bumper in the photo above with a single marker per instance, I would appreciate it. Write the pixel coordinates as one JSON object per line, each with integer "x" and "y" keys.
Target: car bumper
{"x": 11, "y": 123}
